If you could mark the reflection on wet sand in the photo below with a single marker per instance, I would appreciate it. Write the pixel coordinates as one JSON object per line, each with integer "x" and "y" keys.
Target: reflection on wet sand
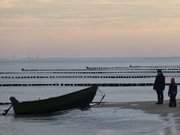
{"x": 170, "y": 116}
{"x": 173, "y": 127}
{"x": 137, "y": 118}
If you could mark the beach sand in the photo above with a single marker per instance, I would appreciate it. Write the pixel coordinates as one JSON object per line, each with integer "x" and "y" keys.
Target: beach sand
{"x": 108, "y": 118}
{"x": 146, "y": 106}
{"x": 170, "y": 116}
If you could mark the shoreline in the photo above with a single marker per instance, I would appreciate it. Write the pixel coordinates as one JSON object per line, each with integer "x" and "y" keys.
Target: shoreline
{"x": 146, "y": 106}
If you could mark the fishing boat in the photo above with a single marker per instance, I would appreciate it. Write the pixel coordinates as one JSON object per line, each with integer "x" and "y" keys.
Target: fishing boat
{"x": 80, "y": 99}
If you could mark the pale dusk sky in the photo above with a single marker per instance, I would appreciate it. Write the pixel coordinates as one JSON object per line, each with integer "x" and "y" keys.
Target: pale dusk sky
{"x": 111, "y": 28}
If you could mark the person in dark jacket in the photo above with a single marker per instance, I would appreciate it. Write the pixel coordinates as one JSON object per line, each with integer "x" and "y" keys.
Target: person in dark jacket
{"x": 159, "y": 86}
{"x": 172, "y": 93}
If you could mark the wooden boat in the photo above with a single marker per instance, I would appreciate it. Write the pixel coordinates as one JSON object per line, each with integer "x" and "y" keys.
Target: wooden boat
{"x": 79, "y": 99}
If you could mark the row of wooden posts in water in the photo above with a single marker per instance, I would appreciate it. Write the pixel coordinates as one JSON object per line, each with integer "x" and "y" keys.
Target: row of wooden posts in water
{"x": 80, "y": 84}
{"x": 93, "y": 77}
{"x": 130, "y": 67}
{"x": 90, "y": 70}
{"x": 100, "y": 70}
{"x": 87, "y": 72}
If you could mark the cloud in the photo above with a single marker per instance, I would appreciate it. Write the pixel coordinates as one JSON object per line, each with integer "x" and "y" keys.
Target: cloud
{"x": 79, "y": 24}
{"x": 8, "y": 3}
{"x": 90, "y": 13}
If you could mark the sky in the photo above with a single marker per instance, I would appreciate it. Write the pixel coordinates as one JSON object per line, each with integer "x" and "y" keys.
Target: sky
{"x": 89, "y": 28}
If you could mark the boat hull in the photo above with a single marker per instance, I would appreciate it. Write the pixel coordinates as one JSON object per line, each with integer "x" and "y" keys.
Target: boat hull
{"x": 80, "y": 99}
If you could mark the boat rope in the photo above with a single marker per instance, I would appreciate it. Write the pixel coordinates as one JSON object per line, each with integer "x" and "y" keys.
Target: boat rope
{"x": 103, "y": 96}
{"x": 100, "y": 101}
{"x": 5, "y": 112}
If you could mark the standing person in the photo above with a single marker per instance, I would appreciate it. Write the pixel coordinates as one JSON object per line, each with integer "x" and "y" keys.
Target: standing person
{"x": 159, "y": 86}
{"x": 172, "y": 93}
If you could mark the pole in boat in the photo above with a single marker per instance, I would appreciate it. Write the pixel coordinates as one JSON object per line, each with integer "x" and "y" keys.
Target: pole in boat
{"x": 7, "y": 110}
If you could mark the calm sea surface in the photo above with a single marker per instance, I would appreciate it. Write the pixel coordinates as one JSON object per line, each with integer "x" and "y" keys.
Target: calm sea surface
{"x": 96, "y": 121}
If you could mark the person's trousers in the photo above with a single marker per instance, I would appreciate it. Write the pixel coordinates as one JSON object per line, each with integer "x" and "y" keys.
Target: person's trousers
{"x": 160, "y": 96}
{"x": 172, "y": 101}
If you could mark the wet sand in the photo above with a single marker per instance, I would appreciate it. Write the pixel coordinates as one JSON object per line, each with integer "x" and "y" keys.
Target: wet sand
{"x": 108, "y": 118}
{"x": 169, "y": 115}
{"x": 146, "y": 106}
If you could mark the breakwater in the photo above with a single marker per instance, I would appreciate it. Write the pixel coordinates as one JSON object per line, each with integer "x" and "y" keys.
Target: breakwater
{"x": 130, "y": 67}
{"x": 79, "y": 84}
{"x": 24, "y": 78}
{"x": 92, "y": 77}
{"x": 87, "y": 72}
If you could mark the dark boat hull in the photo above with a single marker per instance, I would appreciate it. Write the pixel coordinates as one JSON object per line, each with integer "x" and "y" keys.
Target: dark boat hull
{"x": 80, "y": 99}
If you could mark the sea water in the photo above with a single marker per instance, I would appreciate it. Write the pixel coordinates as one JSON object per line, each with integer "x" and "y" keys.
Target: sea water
{"x": 96, "y": 121}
